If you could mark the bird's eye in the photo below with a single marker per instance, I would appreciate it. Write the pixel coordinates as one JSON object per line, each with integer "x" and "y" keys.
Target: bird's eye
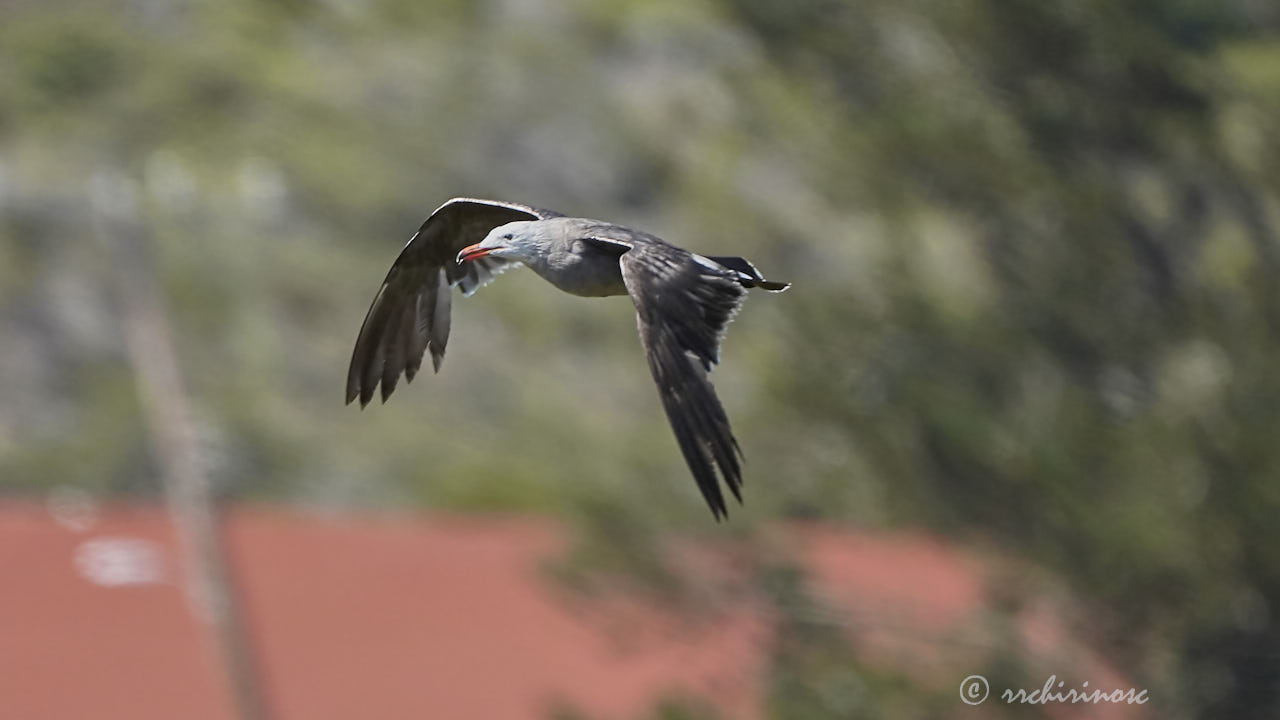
{"x": 508, "y": 236}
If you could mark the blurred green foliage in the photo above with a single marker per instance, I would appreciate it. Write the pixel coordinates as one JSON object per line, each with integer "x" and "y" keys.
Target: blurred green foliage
{"x": 1034, "y": 245}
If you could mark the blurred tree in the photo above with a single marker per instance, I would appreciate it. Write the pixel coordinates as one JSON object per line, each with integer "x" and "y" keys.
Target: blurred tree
{"x": 1079, "y": 387}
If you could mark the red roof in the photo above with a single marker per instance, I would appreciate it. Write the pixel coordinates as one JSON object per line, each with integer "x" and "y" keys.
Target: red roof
{"x": 93, "y": 626}
{"x": 412, "y": 617}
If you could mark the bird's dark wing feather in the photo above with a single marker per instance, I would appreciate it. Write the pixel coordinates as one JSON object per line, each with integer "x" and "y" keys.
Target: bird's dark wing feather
{"x": 410, "y": 313}
{"x": 683, "y": 305}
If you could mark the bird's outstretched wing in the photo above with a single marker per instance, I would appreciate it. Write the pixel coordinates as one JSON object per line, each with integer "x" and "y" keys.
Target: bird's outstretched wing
{"x": 410, "y": 313}
{"x": 683, "y": 304}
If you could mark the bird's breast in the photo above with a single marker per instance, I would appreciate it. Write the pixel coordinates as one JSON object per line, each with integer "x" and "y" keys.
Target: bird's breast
{"x": 593, "y": 287}
{"x": 586, "y": 274}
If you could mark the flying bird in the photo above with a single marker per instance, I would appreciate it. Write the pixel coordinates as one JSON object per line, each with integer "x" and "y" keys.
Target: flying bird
{"x": 683, "y": 303}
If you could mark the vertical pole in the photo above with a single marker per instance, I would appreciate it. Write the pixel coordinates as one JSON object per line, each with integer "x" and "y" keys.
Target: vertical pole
{"x": 163, "y": 399}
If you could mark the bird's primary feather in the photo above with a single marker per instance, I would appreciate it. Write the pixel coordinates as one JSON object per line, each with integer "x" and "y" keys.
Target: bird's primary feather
{"x": 682, "y": 310}
{"x": 410, "y": 314}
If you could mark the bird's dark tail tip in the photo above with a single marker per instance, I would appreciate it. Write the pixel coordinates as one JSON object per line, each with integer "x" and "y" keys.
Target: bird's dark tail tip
{"x": 748, "y": 275}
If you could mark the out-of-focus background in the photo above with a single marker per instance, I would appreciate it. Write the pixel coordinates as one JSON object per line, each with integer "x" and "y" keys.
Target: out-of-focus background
{"x": 1017, "y": 417}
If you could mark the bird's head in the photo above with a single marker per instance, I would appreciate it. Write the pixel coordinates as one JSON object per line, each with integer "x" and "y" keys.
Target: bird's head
{"x": 513, "y": 241}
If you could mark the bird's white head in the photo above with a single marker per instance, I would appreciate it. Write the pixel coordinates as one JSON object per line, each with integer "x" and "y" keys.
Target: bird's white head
{"x": 518, "y": 240}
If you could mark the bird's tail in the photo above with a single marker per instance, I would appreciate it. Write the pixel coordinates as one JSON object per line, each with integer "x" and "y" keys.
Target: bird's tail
{"x": 748, "y": 275}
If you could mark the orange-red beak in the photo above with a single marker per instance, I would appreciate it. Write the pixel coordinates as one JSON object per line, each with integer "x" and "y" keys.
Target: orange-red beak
{"x": 473, "y": 252}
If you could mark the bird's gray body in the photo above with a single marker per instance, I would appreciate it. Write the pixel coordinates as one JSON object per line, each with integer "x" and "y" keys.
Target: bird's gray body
{"x": 564, "y": 257}
{"x": 683, "y": 301}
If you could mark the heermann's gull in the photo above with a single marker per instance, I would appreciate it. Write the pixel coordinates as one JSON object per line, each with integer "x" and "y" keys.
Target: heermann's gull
{"x": 683, "y": 302}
